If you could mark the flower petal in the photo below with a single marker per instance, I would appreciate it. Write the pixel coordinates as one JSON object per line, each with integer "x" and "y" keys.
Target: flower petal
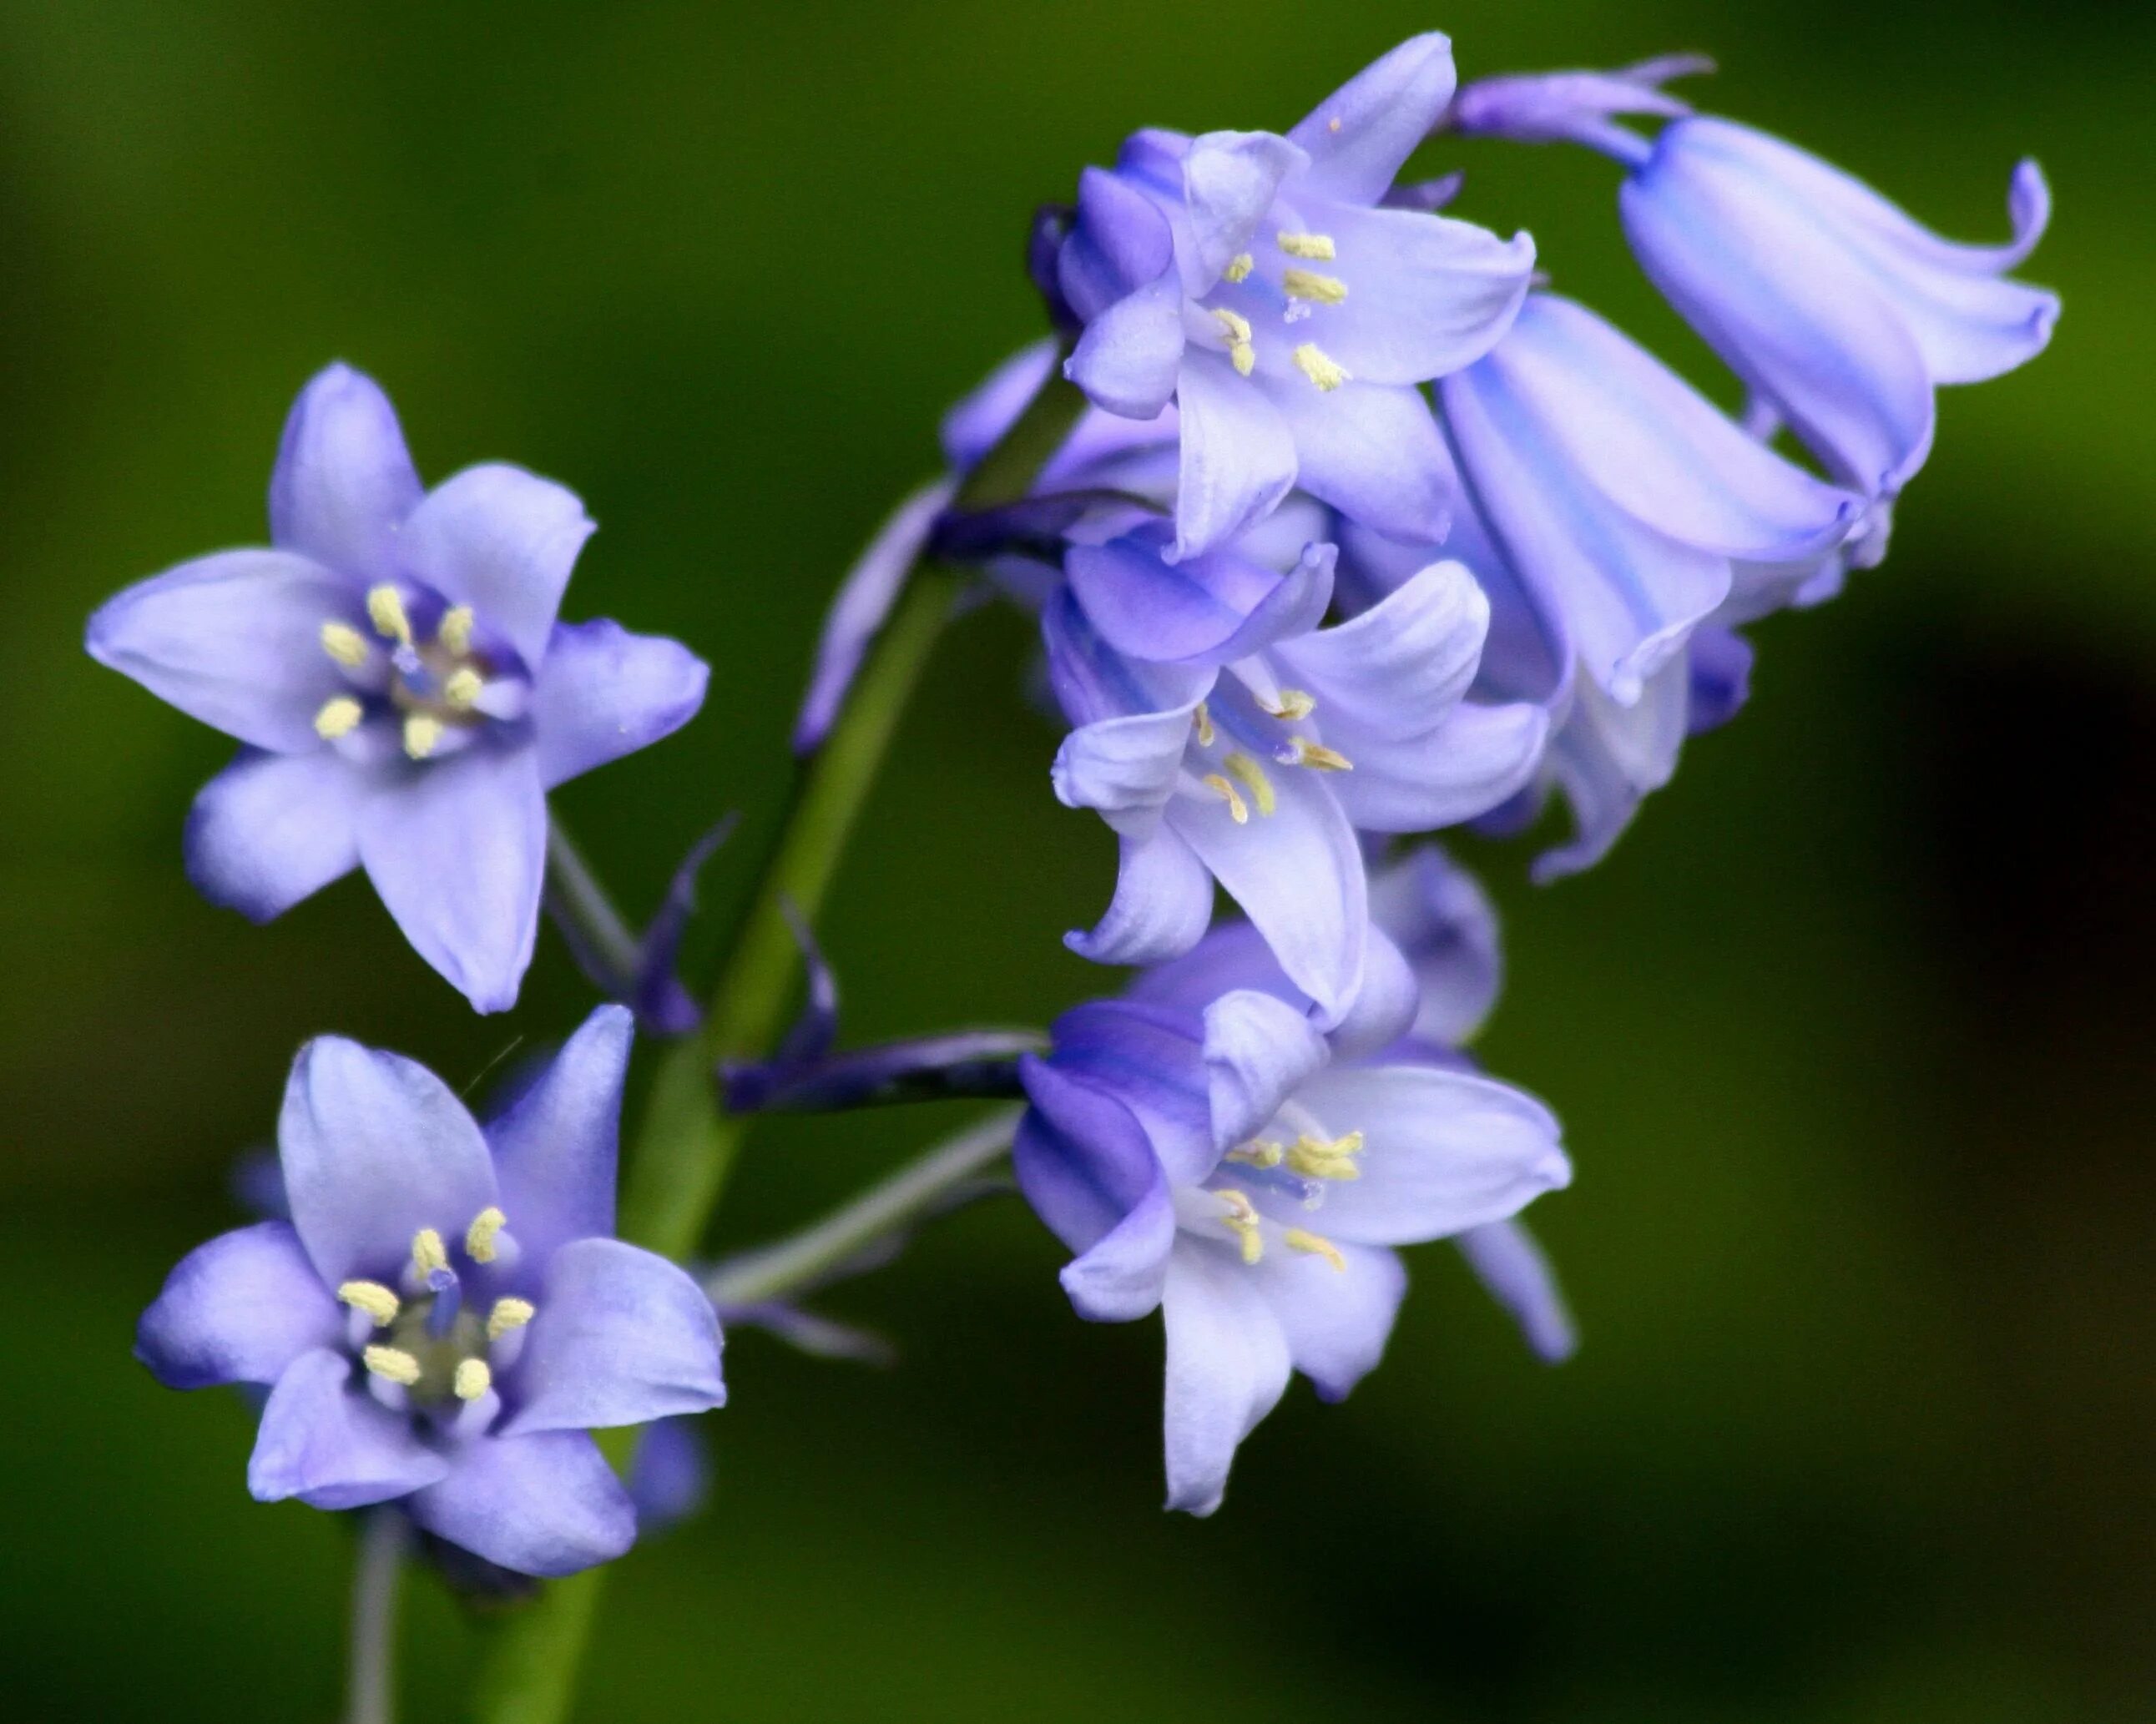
{"x": 1336, "y": 1321}
{"x": 1125, "y": 768}
{"x": 1298, "y": 875}
{"x": 233, "y": 639}
{"x": 327, "y": 1441}
{"x": 1445, "y": 927}
{"x": 1119, "y": 241}
{"x": 1227, "y": 1365}
{"x": 344, "y": 481}
{"x": 1398, "y": 668}
{"x": 1508, "y": 1262}
{"x": 1229, "y": 180}
{"x": 1608, "y": 759}
{"x": 1426, "y": 295}
{"x": 457, "y": 848}
{"x": 1258, "y": 1050}
{"x": 623, "y": 1336}
{"x": 546, "y": 1504}
{"x": 1373, "y": 452}
{"x": 1126, "y": 361}
{"x": 603, "y": 692}
{"x": 1204, "y": 610}
{"x": 272, "y": 829}
{"x": 240, "y": 1309}
{"x": 502, "y": 541}
{"x": 374, "y": 1146}
{"x": 1238, "y": 456}
{"x": 1151, "y": 1059}
{"x": 1358, "y": 137}
{"x": 1088, "y": 1169}
{"x": 1478, "y": 756}
{"x": 1444, "y": 1151}
{"x": 1162, "y": 905}
{"x": 555, "y": 1148}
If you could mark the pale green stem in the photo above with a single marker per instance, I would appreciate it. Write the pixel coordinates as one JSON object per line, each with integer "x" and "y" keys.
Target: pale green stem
{"x": 798, "y": 1262}
{"x": 685, "y": 1147}
{"x": 370, "y": 1695}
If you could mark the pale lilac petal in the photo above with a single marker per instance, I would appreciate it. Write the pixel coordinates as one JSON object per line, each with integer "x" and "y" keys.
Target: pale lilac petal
{"x": 374, "y": 1146}
{"x": 344, "y": 481}
{"x": 1162, "y": 905}
{"x": 327, "y": 1441}
{"x": 873, "y": 584}
{"x": 1258, "y": 1050}
{"x": 1508, "y": 1262}
{"x": 1476, "y": 759}
{"x": 1238, "y": 455}
{"x": 1373, "y": 452}
{"x": 1119, "y": 241}
{"x": 1298, "y": 875}
{"x": 1608, "y": 758}
{"x": 1358, "y": 137}
{"x": 1398, "y": 669}
{"x": 1152, "y": 1060}
{"x": 1227, "y": 1365}
{"x": 1229, "y": 180}
{"x": 603, "y": 692}
{"x": 1336, "y": 1321}
{"x": 546, "y": 1504}
{"x": 623, "y": 1336}
{"x": 1204, "y": 610}
{"x": 457, "y": 848}
{"x": 1426, "y": 295}
{"x": 1085, "y": 1165}
{"x": 1447, "y": 928}
{"x": 1443, "y": 1151}
{"x": 502, "y": 541}
{"x": 1126, "y": 360}
{"x": 1093, "y": 682}
{"x": 1125, "y": 768}
{"x": 555, "y": 1148}
{"x": 240, "y": 1309}
{"x": 233, "y": 639}
{"x": 671, "y": 1477}
{"x": 272, "y": 829}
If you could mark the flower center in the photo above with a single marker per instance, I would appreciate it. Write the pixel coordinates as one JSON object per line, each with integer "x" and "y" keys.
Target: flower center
{"x": 428, "y": 1348}
{"x": 1302, "y": 1168}
{"x": 1298, "y": 290}
{"x": 1235, "y": 775}
{"x": 436, "y": 688}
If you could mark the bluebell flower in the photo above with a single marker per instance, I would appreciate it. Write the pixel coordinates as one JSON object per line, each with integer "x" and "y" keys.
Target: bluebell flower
{"x": 1224, "y": 735}
{"x": 1206, "y": 1154}
{"x": 446, "y": 1316}
{"x": 1841, "y": 312}
{"x": 404, "y": 690}
{"x": 1259, "y": 282}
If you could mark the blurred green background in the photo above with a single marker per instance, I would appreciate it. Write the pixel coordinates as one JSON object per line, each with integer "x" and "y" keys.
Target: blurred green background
{"x": 1852, "y": 1034}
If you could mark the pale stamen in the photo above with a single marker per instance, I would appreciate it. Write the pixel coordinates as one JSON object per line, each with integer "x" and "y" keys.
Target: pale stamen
{"x": 1309, "y": 285}
{"x": 340, "y": 716}
{"x": 385, "y": 609}
{"x": 391, "y": 1363}
{"x": 1254, "y": 780}
{"x": 346, "y": 644}
{"x": 1316, "y": 247}
{"x": 1310, "y": 360}
{"x": 1237, "y": 810}
{"x": 479, "y": 1236}
{"x": 509, "y": 1314}
{"x": 1314, "y": 1244}
{"x": 1301, "y": 751}
{"x": 1239, "y": 267}
{"x": 377, "y": 1300}
{"x": 472, "y": 1380}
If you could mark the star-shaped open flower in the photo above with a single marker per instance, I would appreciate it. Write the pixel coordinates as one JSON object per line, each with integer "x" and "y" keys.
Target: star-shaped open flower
{"x": 406, "y": 695}
{"x": 446, "y": 1317}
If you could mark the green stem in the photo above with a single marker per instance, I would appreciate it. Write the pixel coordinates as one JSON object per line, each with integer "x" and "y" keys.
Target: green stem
{"x": 605, "y": 945}
{"x": 371, "y": 1689}
{"x": 687, "y": 1146}
{"x": 796, "y": 1263}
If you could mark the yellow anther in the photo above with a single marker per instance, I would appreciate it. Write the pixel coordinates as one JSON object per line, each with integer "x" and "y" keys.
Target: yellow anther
{"x": 1239, "y": 267}
{"x": 428, "y": 1254}
{"x": 385, "y": 609}
{"x": 340, "y": 716}
{"x": 1203, "y": 720}
{"x": 472, "y": 1379}
{"x": 479, "y": 1237}
{"x": 423, "y": 734}
{"x": 1236, "y": 328}
{"x": 1309, "y": 285}
{"x": 392, "y": 1362}
{"x": 1254, "y": 780}
{"x": 1242, "y": 1221}
{"x": 508, "y": 1314}
{"x": 1257, "y": 1153}
{"x": 1237, "y": 811}
{"x": 463, "y": 688}
{"x": 1323, "y": 1159}
{"x": 1290, "y": 704}
{"x": 1301, "y": 751}
{"x": 455, "y": 633}
{"x": 344, "y": 644}
{"x": 377, "y": 1300}
{"x": 1310, "y": 360}
{"x": 1315, "y": 1244}
{"x": 1317, "y": 246}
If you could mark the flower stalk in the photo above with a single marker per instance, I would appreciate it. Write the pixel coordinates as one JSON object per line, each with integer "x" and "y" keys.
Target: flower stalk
{"x": 370, "y": 1689}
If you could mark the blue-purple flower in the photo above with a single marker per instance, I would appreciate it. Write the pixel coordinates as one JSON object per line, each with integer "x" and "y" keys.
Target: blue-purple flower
{"x": 407, "y": 695}
{"x": 1204, "y": 1154}
{"x": 1841, "y": 312}
{"x": 447, "y": 1316}
{"x": 1259, "y": 282}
